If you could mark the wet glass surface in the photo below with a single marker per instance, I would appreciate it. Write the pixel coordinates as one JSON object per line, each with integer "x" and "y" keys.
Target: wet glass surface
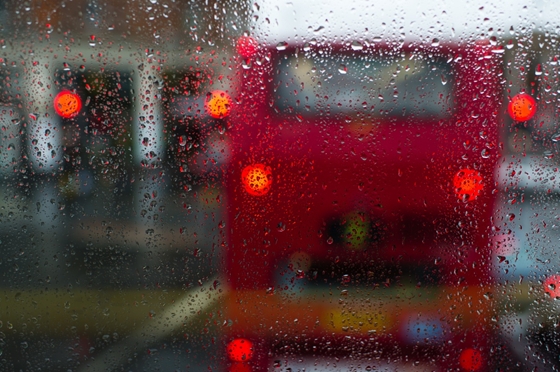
{"x": 247, "y": 186}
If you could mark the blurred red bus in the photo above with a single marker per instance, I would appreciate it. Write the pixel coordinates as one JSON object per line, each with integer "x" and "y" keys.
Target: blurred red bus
{"x": 360, "y": 195}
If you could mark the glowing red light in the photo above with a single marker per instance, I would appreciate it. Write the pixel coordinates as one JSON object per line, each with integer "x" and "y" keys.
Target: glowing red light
{"x": 552, "y": 286}
{"x": 246, "y": 46}
{"x": 257, "y": 179}
{"x": 471, "y": 359}
{"x": 218, "y": 104}
{"x": 240, "y": 350}
{"x": 522, "y": 107}
{"x": 468, "y": 184}
{"x": 67, "y": 104}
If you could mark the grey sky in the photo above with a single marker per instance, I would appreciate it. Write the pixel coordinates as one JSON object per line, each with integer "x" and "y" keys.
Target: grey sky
{"x": 293, "y": 21}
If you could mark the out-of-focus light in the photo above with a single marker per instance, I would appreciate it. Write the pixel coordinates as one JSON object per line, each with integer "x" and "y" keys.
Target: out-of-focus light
{"x": 246, "y": 46}
{"x": 218, "y": 104}
{"x": 468, "y": 184}
{"x": 423, "y": 329}
{"x": 552, "y": 286}
{"x": 356, "y": 230}
{"x": 470, "y": 359}
{"x": 257, "y": 179}
{"x": 240, "y": 350}
{"x": 67, "y": 104}
{"x": 522, "y": 107}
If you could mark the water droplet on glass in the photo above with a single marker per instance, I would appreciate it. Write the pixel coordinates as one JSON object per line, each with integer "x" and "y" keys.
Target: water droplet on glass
{"x": 92, "y": 40}
{"x": 282, "y": 45}
{"x": 182, "y": 140}
{"x": 342, "y": 69}
{"x": 485, "y": 153}
{"x": 356, "y": 45}
{"x": 555, "y": 137}
{"x": 435, "y": 42}
{"x": 548, "y": 155}
{"x": 318, "y": 29}
{"x": 538, "y": 70}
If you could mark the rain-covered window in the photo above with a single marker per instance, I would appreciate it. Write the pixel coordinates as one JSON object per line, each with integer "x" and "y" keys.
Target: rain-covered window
{"x": 246, "y": 186}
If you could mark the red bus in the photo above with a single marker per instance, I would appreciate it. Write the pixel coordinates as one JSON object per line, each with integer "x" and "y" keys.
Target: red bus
{"x": 360, "y": 193}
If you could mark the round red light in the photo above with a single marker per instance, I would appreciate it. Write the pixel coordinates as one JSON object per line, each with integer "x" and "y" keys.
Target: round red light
{"x": 468, "y": 184}
{"x": 552, "y": 286}
{"x": 471, "y": 359}
{"x": 218, "y": 104}
{"x": 67, "y": 104}
{"x": 522, "y": 107}
{"x": 240, "y": 350}
{"x": 246, "y": 46}
{"x": 257, "y": 179}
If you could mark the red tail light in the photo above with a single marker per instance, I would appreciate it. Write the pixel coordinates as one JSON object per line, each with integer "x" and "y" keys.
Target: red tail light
{"x": 468, "y": 184}
{"x": 522, "y": 107}
{"x": 470, "y": 359}
{"x": 257, "y": 179}
{"x": 67, "y": 104}
{"x": 552, "y": 286}
{"x": 240, "y": 350}
{"x": 218, "y": 104}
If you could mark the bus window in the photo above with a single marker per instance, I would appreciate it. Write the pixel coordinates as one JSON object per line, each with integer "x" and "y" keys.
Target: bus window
{"x": 411, "y": 85}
